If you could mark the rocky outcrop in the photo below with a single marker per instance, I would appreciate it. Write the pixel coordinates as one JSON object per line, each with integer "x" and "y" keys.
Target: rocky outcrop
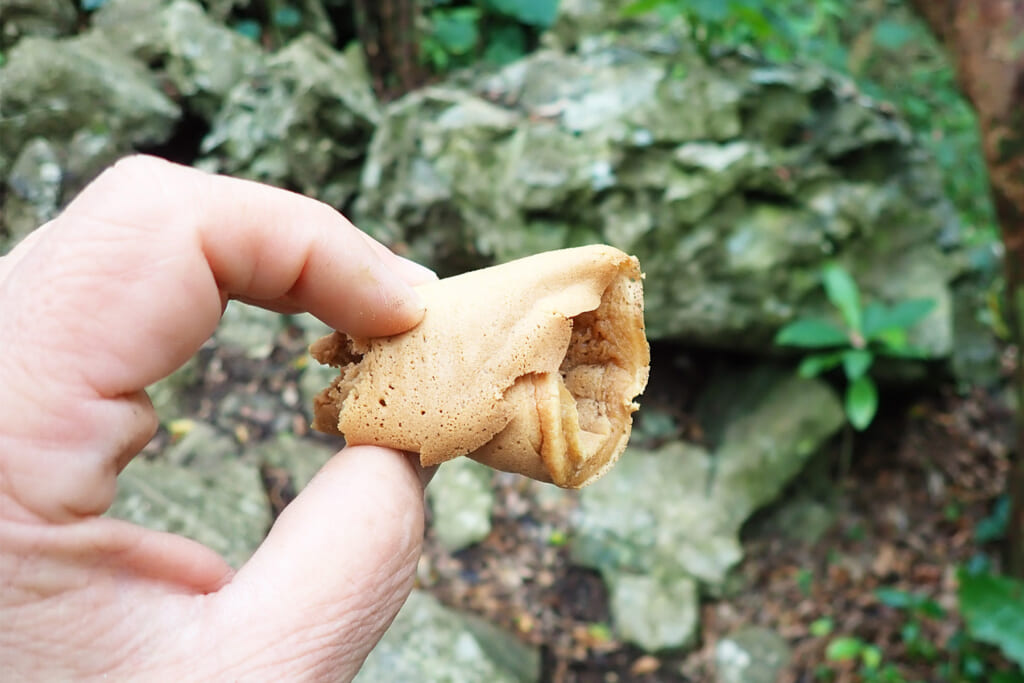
{"x": 734, "y": 182}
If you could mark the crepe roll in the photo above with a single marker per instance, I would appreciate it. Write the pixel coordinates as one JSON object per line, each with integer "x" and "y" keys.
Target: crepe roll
{"x": 531, "y": 366}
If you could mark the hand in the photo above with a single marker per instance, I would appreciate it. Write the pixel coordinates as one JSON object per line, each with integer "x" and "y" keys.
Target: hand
{"x": 115, "y": 293}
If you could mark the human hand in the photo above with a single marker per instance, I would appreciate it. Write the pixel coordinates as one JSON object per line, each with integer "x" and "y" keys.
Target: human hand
{"x": 115, "y": 293}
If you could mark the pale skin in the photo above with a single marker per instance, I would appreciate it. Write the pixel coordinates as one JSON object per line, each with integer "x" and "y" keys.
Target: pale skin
{"x": 112, "y": 295}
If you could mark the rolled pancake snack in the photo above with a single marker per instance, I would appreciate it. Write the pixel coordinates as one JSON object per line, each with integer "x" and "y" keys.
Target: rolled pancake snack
{"x": 531, "y": 366}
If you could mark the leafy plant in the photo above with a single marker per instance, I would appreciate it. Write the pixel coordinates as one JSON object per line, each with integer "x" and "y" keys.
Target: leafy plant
{"x": 497, "y": 31}
{"x": 273, "y": 21}
{"x": 917, "y": 608}
{"x": 781, "y": 30}
{"x": 993, "y": 527}
{"x": 872, "y": 667}
{"x": 866, "y": 333}
{"x": 993, "y": 608}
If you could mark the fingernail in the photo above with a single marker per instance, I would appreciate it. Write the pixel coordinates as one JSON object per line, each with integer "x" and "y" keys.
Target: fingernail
{"x": 414, "y": 273}
{"x": 425, "y": 474}
{"x": 412, "y": 298}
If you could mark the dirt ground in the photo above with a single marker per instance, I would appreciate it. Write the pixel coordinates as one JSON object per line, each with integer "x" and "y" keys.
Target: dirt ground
{"x": 917, "y": 485}
{"x": 906, "y": 505}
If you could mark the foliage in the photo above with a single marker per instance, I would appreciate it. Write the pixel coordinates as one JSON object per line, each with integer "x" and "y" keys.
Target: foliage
{"x": 497, "y": 31}
{"x": 276, "y": 20}
{"x": 781, "y": 30}
{"x": 993, "y": 608}
{"x": 993, "y": 527}
{"x": 852, "y": 649}
{"x": 866, "y": 333}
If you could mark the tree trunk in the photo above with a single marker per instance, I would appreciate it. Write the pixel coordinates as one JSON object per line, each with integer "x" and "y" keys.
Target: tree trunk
{"x": 387, "y": 31}
{"x": 986, "y": 39}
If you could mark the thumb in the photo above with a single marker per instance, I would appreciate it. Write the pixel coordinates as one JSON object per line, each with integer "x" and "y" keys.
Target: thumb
{"x": 334, "y": 570}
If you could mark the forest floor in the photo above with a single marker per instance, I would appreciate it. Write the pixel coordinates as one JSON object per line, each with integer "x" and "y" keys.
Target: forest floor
{"x": 907, "y": 505}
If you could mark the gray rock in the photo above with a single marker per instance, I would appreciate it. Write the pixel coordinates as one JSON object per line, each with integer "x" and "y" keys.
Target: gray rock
{"x": 33, "y": 191}
{"x": 44, "y": 18}
{"x": 653, "y": 613}
{"x": 581, "y": 19}
{"x": 136, "y": 27}
{"x": 734, "y": 183}
{"x": 224, "y": 508}
{"x": 60, "y": 90}
{"x": 653, "y": 514}
{"x": 262, "y": 407}
{"x": 751, "y": 655}
{"x": 765, "y": 448}
{"x": 301, "y": 458}
{"x": 168, "y": 395}
{"x": 314, "y": 379}
{"x": 305, "y": 123}
{"x": 312, "y": 15}
{"x": 976, "y": 354}
{"x": 429, "y": 642}
{"x": 461, "y": 499}
{"x": 250, "y": 328}
{"x": 312, "y": 327}
{"x": 801, "y": 519}
{"x": 202, "y": 58}
{"x": 675, "y": 513}
{"x": 203, "y": 448}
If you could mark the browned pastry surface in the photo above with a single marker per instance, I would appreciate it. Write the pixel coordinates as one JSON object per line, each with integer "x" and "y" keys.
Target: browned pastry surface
{"x": 531, "y": 366}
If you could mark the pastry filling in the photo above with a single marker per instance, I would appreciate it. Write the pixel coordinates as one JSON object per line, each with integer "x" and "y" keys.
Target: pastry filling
{"x": 598, "y": 382}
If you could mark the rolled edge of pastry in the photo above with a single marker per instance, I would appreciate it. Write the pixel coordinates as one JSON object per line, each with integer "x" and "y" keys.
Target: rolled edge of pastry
{"x": 531, "y": 366}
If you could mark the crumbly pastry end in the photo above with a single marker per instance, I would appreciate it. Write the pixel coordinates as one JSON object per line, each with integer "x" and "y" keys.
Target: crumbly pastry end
{"x": 531, "y": 366}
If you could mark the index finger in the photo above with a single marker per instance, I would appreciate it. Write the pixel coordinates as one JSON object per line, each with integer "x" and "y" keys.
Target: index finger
{"x": 132, "y": 278}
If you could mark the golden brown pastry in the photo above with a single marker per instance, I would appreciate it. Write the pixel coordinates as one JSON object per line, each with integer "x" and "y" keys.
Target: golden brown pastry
{"x": 531, "y": 366}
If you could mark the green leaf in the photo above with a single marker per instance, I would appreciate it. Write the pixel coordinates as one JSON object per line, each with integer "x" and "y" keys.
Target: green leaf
{"x": 505, "y": 44}
{"x": 709, "y": 11}
{"x": 861, "y": 402}
{"x": 287, "y": 16}
{"x": 635, "y": 9}
{"x": 557, "y": 538}
{"x": 872, "y": 657}
{"x": 993, "y": 527}
{"x": 892, "y": 35}
{"x": 856, "y": 362}
{"x": 811, "y": 333}
{"x": 249, "y": 28}
{"x": 814, "y": 365}
{"x": 843, "y": 293}
{"x": 993, "y": 608}
{"x": 894, "y": 597}
{"x": 844, "y": 649}
{"x": 539, "y": 13}
{"x": 911, "y": 632}
{"x": 893, "y": 340}
{"x": 930, "y": 608}
{"x": 821, "y": 627}
{"x": 901, "y": 316}
{"x": 456, "y": 30}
